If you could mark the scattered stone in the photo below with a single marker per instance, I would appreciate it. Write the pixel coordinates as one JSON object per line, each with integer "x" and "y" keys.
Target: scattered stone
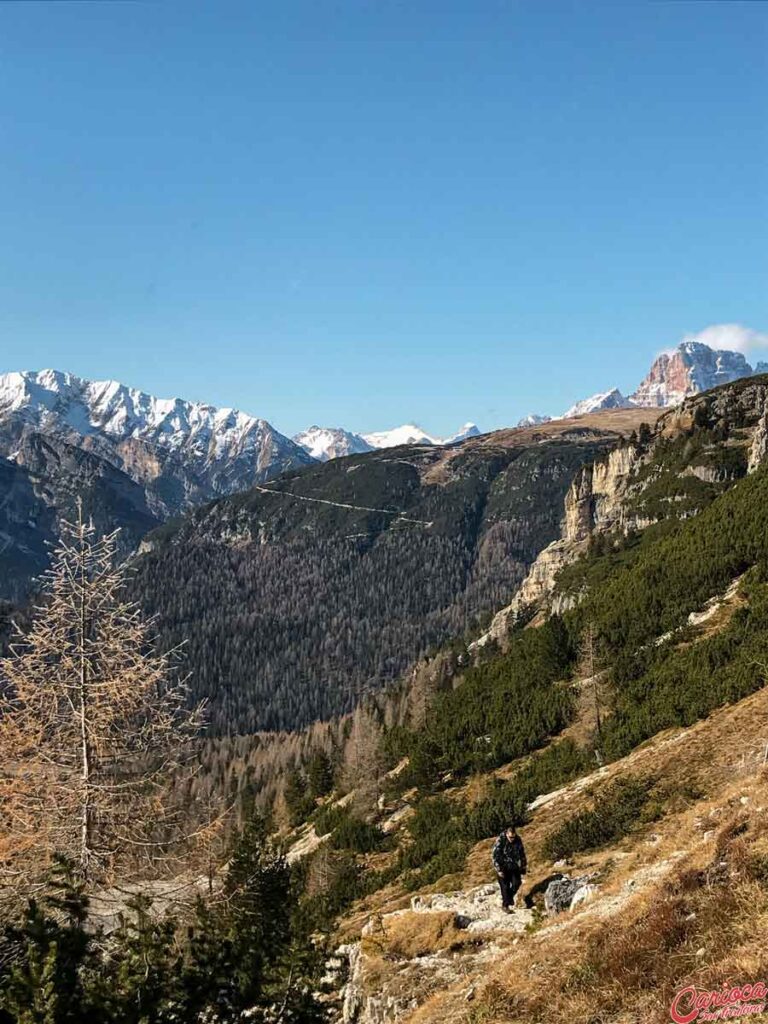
{"x": 586, "y": 892}
{"x": 561, "y": 893}
{"x": 395, "y": 819}
{"x": 477, "y": 910}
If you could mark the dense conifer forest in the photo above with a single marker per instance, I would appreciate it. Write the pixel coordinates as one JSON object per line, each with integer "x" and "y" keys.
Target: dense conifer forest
{"x": 291, "y": 609}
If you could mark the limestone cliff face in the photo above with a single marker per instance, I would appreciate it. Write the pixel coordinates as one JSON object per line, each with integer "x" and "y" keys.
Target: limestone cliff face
{"x": 593, "y": 501}
{"x": 693, "y": 367}
{"x": 758, "y": 449}
{"x": 611, "y": 494}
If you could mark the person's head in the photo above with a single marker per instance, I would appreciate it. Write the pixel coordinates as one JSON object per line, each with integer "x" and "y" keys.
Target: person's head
{"x": 510, "y": 832}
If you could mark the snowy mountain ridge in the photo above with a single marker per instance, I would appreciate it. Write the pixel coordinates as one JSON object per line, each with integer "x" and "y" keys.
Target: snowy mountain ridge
{"x": 325, "y": 443}
{"x": 611, "y": 399}
{"x": 181, "y": 452}
{"x": 687, "y": 370}
{"x": 113, "y": 408}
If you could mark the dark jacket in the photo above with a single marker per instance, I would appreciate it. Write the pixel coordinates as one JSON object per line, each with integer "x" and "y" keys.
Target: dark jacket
{"x": 509, "y": 855}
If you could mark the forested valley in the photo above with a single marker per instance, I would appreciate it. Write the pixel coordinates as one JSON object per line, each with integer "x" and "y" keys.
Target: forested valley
{"x": 296, "y": 600}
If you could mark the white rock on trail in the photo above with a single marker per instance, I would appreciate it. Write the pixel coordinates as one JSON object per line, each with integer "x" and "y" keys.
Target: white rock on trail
{"x": 479, "y": 909}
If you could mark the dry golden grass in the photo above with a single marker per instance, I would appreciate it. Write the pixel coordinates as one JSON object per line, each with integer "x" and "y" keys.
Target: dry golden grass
{"x": 684, "y": 899}
{"x": 605, "y": 421}
{"x": 660, "y": 923}
{"x": 705, "y": 924}
{"x": 409, "y": 935}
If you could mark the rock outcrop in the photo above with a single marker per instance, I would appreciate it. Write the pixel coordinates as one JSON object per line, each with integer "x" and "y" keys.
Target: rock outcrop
{"x": 565, "y": 893}
{"x": 593, "y": 501}
{"x": 758, "y": 449}
{"x": 606, "y": 496}
{"x": 692, "y": 367}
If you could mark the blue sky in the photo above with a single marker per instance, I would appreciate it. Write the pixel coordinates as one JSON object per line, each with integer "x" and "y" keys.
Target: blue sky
{"x": 366, "y": 213}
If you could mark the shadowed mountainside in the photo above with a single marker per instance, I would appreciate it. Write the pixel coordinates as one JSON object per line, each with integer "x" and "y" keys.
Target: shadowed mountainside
{"x": 298, "y": 596}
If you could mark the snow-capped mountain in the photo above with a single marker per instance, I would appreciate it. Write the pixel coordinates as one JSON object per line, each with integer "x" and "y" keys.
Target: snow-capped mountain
{"x": 533, "y": 419}
{"x": 324, "y": 443}
{"x": 468, "y": 430}
{"x": 409, "y": 433}
{"x": 612, "y": 399}
{"x": 181, "y": 453}
{"x": 691, "y": 368}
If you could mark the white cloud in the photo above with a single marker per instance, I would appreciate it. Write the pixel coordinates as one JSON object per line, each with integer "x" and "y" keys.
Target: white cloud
{"x": 734, "y": 337}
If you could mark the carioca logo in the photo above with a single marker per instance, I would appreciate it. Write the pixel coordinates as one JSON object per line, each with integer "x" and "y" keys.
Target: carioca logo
{"x": 692, "y": 1004}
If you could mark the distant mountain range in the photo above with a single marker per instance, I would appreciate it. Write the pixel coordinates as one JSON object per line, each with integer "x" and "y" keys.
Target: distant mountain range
{"x": 134, "y": 460}
{"x": 138, "y": 460}
{"x": 180, "y": 453}
{"x": 674, "y": 376}
{"x": 691, "y": 368}
{"x": 324, "y": 443}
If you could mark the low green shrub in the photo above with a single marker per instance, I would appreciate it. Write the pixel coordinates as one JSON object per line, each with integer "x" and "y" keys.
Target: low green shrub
{"x": 616, "y": 812}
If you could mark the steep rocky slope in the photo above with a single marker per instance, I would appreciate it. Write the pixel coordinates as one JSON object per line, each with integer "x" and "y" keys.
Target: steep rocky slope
{"x": 41, "y": 486}
{"x": 181, "y": 453}
{"x": 696, "y": 452}
{"x": 628, "y": 735}
{"x": 679, "y": 900}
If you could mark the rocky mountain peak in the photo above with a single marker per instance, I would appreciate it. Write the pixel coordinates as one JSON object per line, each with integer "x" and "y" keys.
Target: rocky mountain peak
{"x": 692, "y": 367}
{"x": 533, "y": 419}
{"x": 324, "y": 443}
{"x": 468, "y": 430}
{"x": 612, "y": 399}
{"x": 183, "y": 452}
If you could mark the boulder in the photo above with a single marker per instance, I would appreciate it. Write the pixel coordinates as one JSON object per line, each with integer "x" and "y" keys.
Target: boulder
{"x": 564, "y": 893}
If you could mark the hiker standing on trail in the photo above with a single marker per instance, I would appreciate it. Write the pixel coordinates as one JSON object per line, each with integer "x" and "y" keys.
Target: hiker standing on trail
{"x": 510, "y": 865}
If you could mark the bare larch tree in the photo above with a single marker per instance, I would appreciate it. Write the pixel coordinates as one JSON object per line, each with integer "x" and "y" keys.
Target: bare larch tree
{"x": 589, "y": 669}
{"x": 94, "y": 725}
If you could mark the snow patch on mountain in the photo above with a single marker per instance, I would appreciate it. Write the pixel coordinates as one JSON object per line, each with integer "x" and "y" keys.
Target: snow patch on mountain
{"x": 409, "y": 433}
{"x": 324, "y": 443}
{"x": 612, "y": 399}
{"x": 183, "y": 452}
{"x": 533, "y": 419}
{"x": 468, "y": 430}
